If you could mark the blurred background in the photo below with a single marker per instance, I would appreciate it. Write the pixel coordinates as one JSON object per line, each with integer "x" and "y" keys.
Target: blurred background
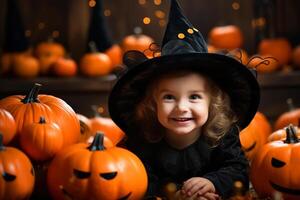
{"x": 72, "y": 29}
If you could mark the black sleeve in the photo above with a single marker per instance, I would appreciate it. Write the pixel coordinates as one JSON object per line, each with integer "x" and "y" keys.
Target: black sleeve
{"x": 229, "y": 164}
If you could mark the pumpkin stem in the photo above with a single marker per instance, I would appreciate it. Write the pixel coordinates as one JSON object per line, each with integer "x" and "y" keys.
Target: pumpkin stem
{"x": 290, "y": 104}
{"x": 291, "y": 136}
{"x": 32, "y": 96}
{"x": 97, "y": 144}
{"x": 93, "y": 47}
{"x": 2, "y": 147}
{"x": 42, "y": 120}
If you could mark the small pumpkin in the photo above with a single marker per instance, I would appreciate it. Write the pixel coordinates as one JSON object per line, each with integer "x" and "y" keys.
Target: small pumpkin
{"x": 25, "y": 66}
{"x": 95, "y": 172}
{"x": 64, "y": 67}
{"x": 281, "y": 134}
{"x": 139, "y": 42}
{"x": 8, "y": 126}
{"x": 290, "y": 117}
{"x": 106, "y": 125}
{"x": 28, "y": 109}
{"x": 41, "y": 140}
{"x": 115, "y": 55}
{"x": 275, "y": 168}
{"x": 47, "y": 53}
{"x": 263, "y": 63}
{"x": 280, "y": 48}
{"x": 17, "y": 174}
{"x": 255, "y": 135}
{"x": 226, "y": 37}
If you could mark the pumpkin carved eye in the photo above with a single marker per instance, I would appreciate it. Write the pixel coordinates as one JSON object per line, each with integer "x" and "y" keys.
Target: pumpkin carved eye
{"x": 109, "y": 175}
{"x": 277, "y": 163}
{"x": 80, "y": 174}
{"x": 8, "y": 177}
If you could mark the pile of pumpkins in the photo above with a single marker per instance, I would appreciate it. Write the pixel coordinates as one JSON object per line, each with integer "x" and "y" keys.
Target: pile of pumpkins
{"x": 80, "y": 155}
{"x": 51, "y": 58}
{"x": 274, "y": 156}
{"x": 273, "y": 54}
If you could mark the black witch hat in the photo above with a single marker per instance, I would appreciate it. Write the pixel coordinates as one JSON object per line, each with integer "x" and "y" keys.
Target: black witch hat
{"x": 15, "y": 39}
{"x": 183, "y": 47}
{"x": 98, "y": 29}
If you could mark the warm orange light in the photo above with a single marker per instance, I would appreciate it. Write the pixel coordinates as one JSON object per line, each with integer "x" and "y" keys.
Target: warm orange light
{"x": 107, "y": 12}
{"x": 142, "y": 2}
{"x": 92, "y": 3}
{"x": 157, "y": 2}
{"x": 146, "y": 20}
{"x": 235, "y": 6}
{"x": 160, "y": 14}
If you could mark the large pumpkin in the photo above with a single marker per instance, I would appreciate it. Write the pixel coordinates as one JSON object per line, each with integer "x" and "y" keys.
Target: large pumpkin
{"x": 28, "y": 109}
{"x": 17, "y": 174}
{"x": 289, "y": 117}
{"x": 96, "y": 172}
{"x": 7, "y": 126}
{"x": 255, "y": 135}
{"x": 41, "y": 140}
{"x": 275, "y": 168}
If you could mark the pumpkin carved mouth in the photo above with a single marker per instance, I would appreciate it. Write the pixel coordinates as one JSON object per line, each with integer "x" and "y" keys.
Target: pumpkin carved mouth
{"x": 125, "y": 197}
{"x": 284, "y": 189}
{"x": 66, "y": 193}
{"x": 250, "y": 148}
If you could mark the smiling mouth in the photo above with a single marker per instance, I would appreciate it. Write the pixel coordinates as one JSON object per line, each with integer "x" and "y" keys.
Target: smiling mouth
{"x": 250, "y": 148}
{"x": 285, "y": 190}
{"x": 125, "y": 197}
{"x": 182, "y": 119}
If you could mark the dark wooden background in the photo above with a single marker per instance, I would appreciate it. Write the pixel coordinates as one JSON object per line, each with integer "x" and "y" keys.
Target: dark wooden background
{"x": 71, "y": 19}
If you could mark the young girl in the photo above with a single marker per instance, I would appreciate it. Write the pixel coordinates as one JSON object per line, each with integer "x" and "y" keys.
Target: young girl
{"x": 182, "y": 113}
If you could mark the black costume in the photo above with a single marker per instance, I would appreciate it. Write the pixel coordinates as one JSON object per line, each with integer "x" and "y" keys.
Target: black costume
{"x": 222, "y": 165}
{"x": 184, "y": 48}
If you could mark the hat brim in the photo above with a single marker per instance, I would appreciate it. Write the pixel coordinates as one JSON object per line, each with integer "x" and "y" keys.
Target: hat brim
{"x": 230, "y": 75}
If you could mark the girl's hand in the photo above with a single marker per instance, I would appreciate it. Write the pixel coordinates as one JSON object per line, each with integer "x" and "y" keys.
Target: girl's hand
{"x": 198, "y": 186}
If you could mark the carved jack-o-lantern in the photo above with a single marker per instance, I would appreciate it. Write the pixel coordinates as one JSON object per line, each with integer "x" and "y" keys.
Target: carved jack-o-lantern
{"x": 95, "y": 172}
{"x": 275, "y": 168}
{"x": 17, "y": 174}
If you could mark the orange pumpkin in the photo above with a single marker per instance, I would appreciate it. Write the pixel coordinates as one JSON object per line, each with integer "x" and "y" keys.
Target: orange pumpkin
{"x": 8, "y": 126}
{"x": 95, "y": 64}
{"x": 255, "y": 135}
{"x": 263, "y": 63}
{"x": 28, "y": 109}
{"x": 17, "y": 174}
{"x": 226, "y": 37}
{"x": 47, "y": 53}
{"x": 241, "y": 55}
{"x": 275, "y": 168}
{"x": 5, "y": 63}
{"x": 281, "y": 134}
{"x": 93, "y": 171}
{"x": 139, "y": 42}
{"x": 115, "y": 55}
{"x": 64, "y": 67}
{"x": 280, "y": 48}
{"x": 25, "y": 66}
{"x": 106, "y": 125}
{"x": 41, "y": 140}
{"x": 290, "y": 117}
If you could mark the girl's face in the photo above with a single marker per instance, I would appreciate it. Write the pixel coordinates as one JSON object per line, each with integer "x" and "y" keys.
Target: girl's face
{"x": 182, "y": 103}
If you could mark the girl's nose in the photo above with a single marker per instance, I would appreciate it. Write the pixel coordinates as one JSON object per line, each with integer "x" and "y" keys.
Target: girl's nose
{"x": 182, "y": 105}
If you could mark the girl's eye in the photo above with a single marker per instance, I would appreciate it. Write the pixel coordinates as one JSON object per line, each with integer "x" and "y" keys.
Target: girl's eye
{"x": 168, "y": 97}
{"x": 195, "y": 96}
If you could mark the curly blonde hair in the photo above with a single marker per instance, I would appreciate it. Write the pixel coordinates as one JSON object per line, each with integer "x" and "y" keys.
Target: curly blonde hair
{"x": 220, "y": 118}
